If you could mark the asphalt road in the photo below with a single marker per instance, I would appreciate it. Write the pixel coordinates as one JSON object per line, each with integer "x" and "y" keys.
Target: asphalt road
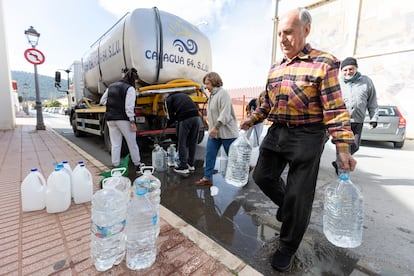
{"x": 242, "y": 219}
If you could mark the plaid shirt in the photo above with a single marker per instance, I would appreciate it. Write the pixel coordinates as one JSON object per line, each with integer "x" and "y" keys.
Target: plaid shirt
{"x": 306, "y": 90}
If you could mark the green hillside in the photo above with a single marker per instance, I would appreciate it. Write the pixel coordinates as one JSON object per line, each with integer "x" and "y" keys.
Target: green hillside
{"x": 47, "y": 90}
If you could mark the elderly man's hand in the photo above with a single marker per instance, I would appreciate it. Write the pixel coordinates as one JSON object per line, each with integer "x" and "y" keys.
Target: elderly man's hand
{"x": 346, "y": 162}
{"x": 246, "y": 124}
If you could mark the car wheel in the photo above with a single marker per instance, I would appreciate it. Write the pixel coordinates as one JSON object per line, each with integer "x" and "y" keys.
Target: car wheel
{"x": 398, "y": 145}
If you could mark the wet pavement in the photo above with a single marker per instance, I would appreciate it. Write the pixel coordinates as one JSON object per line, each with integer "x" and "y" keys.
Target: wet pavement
{"x": 242, "y": 220}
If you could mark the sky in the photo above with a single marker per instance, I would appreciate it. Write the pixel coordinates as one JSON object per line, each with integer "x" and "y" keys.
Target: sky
{"x": 240, "y": 32}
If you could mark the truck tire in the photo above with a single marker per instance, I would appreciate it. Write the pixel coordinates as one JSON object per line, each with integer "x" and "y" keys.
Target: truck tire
{"x": 76, "y": 131}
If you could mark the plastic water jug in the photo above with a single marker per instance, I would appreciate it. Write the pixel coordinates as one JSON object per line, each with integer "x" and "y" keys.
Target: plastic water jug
{"x": 108, "y": 220}
{"x": 119, "y": 182}
{"x": 237, "y": 172}
{"x": 141, "y": 246}
{"x": 80, "y": 162}
{"x": 68, "y": 170}
{"x": 154, "y": 189}
{"x": 58, "y": 196}
{"x": 82, "y": 185}
{"x": 172, "y": 155}
{"x": 33, "y": 190}
{"x": 343, "y": 213}
{"x": 159, "y": 158}
{"x": 221, "y": 162}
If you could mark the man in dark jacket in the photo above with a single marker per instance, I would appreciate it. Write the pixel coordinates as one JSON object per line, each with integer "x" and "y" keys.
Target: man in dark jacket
{"x": 181, "y": 108}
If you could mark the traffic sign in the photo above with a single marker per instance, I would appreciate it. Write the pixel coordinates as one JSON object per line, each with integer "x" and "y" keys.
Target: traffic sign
{"x": 34, "y": 56}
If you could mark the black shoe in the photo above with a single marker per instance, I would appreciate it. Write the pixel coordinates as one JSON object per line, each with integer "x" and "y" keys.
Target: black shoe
{"x": 138, "y": 169}
{"x": 279, "y": 214}
{"x": 281, "y": 261}
{"x": 335, "y": 166}
{"x": 182, "y": 170}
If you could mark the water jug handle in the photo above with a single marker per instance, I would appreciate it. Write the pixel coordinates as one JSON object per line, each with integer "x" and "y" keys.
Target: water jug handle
{"x": 42, "y": 179}
{"x": 121, "y": 170}
{"x": 147, "y": 168}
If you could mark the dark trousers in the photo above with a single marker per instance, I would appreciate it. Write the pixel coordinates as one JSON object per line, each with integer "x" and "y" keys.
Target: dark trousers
{"x": 357, "y": 130}
{"x": 187, "y": 138}
{"x": 301, "y": 148}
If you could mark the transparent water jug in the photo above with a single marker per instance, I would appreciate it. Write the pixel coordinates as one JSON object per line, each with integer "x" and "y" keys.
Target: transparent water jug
{"x": 172, "y": 155}
{"x": 141, "y": 246}
{"x": 33, "y": 190}
{"x": 343, "y": 213}
{"x": 119, "y": 182}
{"x": 237, "y": 171}
{"x": 159, "y": 158}
{"x": 221, "y": 162}
{"x": 108, "y": 221}
{"x": 154, "y": 189}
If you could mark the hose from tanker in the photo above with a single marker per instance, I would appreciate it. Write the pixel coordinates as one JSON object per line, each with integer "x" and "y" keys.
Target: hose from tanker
{"x": 159, "y": 41}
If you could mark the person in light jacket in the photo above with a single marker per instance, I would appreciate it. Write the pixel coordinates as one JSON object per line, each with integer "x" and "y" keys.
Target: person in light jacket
{"x": 358, "y": 92}
{"x": 222, "y": 123}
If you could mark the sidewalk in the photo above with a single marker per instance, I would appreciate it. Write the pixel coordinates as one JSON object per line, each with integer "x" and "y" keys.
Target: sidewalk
{"x": 39, "y": 243}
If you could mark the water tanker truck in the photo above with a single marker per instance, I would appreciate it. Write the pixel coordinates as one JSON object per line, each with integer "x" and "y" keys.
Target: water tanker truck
{"x": 170, "y": 54}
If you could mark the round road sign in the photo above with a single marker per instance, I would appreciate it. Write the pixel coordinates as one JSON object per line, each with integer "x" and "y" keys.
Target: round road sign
{"x": 34, "y": 56}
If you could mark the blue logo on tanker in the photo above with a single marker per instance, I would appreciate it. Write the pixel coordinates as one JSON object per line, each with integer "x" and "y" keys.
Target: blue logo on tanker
{"x": 191, "y": 46}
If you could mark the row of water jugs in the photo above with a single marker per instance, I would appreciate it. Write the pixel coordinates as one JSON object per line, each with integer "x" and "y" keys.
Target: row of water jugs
{"x": 124, "y": 224}
{"x": 56, "y": 192}
{"x": 162, "y": 159}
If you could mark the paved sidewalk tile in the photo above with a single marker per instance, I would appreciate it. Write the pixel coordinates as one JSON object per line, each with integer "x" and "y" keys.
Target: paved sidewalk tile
{"x": 39, "y": 243}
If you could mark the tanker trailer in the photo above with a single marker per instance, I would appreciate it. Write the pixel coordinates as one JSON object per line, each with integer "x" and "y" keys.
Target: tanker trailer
{"x": 170, "y": 55}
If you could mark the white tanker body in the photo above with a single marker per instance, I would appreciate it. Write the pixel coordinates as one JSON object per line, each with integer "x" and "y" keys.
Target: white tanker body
{"x": 170, "y": 55}
{"x": 161, "y": 46}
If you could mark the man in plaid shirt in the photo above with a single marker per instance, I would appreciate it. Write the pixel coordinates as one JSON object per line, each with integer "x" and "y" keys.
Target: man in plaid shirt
{"x": 303, "y": 101}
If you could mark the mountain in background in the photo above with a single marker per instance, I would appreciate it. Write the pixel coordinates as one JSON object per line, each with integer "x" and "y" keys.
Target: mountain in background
{"x": 47, "y": 90}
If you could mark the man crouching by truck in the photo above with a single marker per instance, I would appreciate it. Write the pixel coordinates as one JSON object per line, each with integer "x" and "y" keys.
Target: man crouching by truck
{"x": 119, "y": 99}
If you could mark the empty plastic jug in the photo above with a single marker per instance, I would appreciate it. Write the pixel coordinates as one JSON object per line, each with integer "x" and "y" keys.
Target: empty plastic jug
{"x": 58, "y": 195}
{"x": 33, "y": 190}
{"x": 82, "y": 185}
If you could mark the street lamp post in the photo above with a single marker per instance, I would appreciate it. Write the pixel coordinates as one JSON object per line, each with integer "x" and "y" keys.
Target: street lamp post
{"x": 33, "y": 38}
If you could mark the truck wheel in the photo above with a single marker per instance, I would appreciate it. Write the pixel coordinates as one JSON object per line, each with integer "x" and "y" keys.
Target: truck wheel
{"x": 76, "y": 131}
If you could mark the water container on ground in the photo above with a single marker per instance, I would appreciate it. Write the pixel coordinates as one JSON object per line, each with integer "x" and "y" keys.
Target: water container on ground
{"x": 237, "y": 171}
{"x": 58, "y": 195}
{"x": 159, "y": 158}
{"x": 82, "y": 185}
{"x": 68, "y": 170}
{"x": 154, "y": 189}
{"x": 120, "y": 182}
{"x": 33, "y": 191}
{"x": 108, "y": 220}
{"x": 172, "y": 155}
{"x": 141, "y": 249}
{"x": 343, "y": 213}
